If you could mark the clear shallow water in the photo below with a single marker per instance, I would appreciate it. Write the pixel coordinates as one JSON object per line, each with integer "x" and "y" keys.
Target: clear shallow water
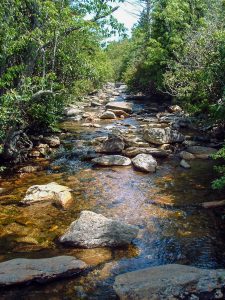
{"x": 163, "y": 205}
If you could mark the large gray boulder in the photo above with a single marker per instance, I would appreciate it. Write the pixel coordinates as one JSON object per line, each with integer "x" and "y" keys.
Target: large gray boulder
{"x": 125, "y": 106}
{"x": 169, "y": 282}
{"x": 113, "y": 144}
{"x": 21, "y": 270}
{"x": 145, "y": 163}
{"x": 53, "y": 192}
{"x": 161, "y": 136}
{"x": 93, "y": 230}
{"x": 112, "y": 160}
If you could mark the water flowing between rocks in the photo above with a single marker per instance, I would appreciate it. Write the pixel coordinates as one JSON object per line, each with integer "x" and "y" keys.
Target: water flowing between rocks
{"x": 164, "y": 205}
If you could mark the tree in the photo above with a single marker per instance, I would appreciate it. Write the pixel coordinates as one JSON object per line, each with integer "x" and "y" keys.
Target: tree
{"x": 49, "y": 46}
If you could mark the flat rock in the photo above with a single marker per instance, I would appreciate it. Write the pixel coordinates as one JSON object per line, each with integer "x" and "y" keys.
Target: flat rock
{"x": 161, "y": 136}
{"x": 145, "y": 163}
{"x": 112, "y": 160}
{"x": 93, "y": 230}
{"x": 168, "y": 282}
{"x": 21, "y": 270}
{"x": 133, "y": 151}
{"x": 127, "y": 107}
{"x": 53, "y": 192}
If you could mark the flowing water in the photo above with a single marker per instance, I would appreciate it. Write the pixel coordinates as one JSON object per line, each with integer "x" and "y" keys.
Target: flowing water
{"x": 164, "y": 205}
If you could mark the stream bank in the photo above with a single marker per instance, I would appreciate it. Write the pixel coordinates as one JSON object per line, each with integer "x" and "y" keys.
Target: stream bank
{"x": 163, "y": 205}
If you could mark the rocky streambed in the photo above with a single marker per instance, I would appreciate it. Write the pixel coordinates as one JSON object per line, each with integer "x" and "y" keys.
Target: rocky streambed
{"x": 118, "y": 191}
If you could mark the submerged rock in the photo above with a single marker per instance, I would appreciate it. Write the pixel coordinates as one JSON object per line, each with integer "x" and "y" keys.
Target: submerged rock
{"x": 201, "y": 152}
{"x": 112, "y": 160}
{"x": 108, "y": 115}
{"x": 161, "y": 136}
{"x": 127, "y": 107}
{"x": 54, "y": 192}
{"x": 145, "y": 162}
{"x": 168, "y": 282}
{"x": 93, "y": 230}
{"x": 184, "y": 164}
{"x": 21, "y": 270}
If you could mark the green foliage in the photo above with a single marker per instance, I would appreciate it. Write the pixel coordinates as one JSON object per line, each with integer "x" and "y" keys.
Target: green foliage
{"x": 220, "y": 182}
{"x": 177, "y": 50}
{"x": 50, "y": 45}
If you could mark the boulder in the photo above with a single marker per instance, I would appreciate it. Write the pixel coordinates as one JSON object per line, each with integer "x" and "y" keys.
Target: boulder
{"x": 44, "y": 149}
{"x": 113, "y": 144}
{"x": 127, "y": 107}
{"x": 169, "y": 282}
{"x": 52, "y": 141}
{"x": 93, "y": 230}
{"x": 201, "y": 152}
{"x": 112, "y": 160}
{"x": 21, "y": 270}
{"x": 184, "y": 164}
{"x": 54, "y": 192}
{"x": 72, "y": 112}
{"x": 186, "y": 155}
{"x": 133, "y": 151}
{"x": 174, "y": 109}
{"x": 145, "y": 163}
{"x": 108, "y": 115}
{"x": 161, "y": 136}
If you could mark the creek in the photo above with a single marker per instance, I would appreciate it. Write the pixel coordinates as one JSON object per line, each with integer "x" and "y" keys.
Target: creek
{"x": 164, "y": 205}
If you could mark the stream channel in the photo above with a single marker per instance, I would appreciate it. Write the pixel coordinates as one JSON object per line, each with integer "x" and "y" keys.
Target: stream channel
{"x": 164, "y": 205}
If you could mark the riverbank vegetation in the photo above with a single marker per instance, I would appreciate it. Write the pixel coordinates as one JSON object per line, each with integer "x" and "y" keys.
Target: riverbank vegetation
{"x": 177, "y": 51}
{"x": 50, "y": 54}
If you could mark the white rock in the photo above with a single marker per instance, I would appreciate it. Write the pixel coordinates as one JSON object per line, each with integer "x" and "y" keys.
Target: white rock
{"x": 112, "y": 160}
{"x": 53, "y": 192}
{"x": 145, "y": 162}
